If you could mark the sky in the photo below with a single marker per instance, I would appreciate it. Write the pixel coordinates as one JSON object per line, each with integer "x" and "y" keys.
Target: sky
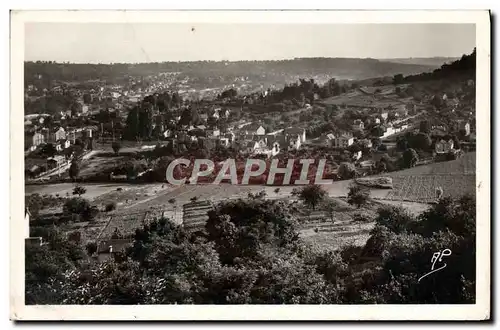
{"x": 157, "y": 42}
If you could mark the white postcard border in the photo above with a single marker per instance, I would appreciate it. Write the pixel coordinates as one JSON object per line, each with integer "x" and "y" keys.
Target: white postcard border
{"x": 481, "y": 310}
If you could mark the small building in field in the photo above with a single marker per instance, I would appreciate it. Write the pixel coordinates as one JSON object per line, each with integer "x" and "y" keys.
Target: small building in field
{"x": 443, "y": 146}
{"x": 56, "y": 162}
{"x": 344, "y": 141}
{"x": 107, "y": 248}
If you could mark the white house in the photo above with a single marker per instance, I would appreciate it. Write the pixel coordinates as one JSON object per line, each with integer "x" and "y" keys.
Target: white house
{"x": 443, "y": 146}
{"x": 27, "y": 216}
{"x": 213, "y": 132}
{"x": 358, "y": 125}
{"x": 357, "y": 155}
{"x": 62, "y": 144}
{"x": 296, "y": 131}
{"x": 466, "y": 128}
{"x": 344, "y": 141}
{"x": 167, "y": 133}
{"x": 251, "y": 146}
{"x": 60, "y": 134}
{"x": 294, "y": 142}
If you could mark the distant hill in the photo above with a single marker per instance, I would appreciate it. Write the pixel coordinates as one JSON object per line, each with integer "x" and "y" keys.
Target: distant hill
{"x": 430, "y": 61}
{"x": 345, "y": 68}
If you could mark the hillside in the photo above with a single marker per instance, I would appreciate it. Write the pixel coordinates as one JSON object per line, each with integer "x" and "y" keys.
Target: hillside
{"x": 346, "y": 68}
{"x": 418, "y": 184}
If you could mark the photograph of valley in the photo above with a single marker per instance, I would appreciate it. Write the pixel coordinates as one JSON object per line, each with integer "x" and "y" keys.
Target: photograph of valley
{"x": 366, "y": 134}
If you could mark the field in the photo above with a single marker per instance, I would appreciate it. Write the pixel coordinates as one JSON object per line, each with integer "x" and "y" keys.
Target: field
{"x": 365, "y": 98}
{"x": 412, "y": 189}
{"x": 419, "y": 184}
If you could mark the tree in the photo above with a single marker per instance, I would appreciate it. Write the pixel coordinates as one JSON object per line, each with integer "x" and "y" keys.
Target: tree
{"x": 381, "y": 167}
{"x": 391, "y": 117}
{"x": 437, "y": 102}
{"x": 91, "y": 248}
{"x": 398, "y": 79}
{"x": 422, "y": 141}
{"x": 110, "y": 206}
{"x": 116, "y": 146}
{"x": 382, "y": 147}
{"x": 357, "y": 195}
{"x": 312, "y": 195}
{"x": 346, "y": 171}
{"x": 410, "y": 158}
{"x": 377, "y": 131}
{"x": 376, "y": 142}
{"x": 402, "y": 143}
{"x": 74, "y": 170}
{"x": 49, "y": 150}
{"x": 425, "y": 127}
{"x": 456, "y": 142}
{"x": 79, "y": 190}
{"x": 331, "y": 207}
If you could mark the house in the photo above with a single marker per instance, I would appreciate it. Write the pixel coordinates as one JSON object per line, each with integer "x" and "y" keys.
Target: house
{"x": 365, "y": 143}
{"x": 27, "y": 217}
{"x": 466, "y": 128}
{"x": 224, "y": 141}
{"x": 254, "y": 129}
{"x": 230, "y": 136}
{"x": 356, "y": 155}
{"x": 62, "y": 144}
{"x": 250, "y": 146}
{"x": 59, "y": 134}
{"x": 388, "y": 131}
{"x": 204, "y": 116}
{"x": 167, "y": 133}
{"x": 296, "y": 132}
{"x": 33, "y": 241}
{"x": 377, "y": 120}
{"x": 33, "y": 140}
{"x": 344, "y": 141}
{"x": 56, "y": 161}
{"x": 107, "y": 248}
{"x": 443, "y": 146}
{"x": 293, "y": 142}
{"x": 213, "y": 132}
{"x": 358, "y": 125}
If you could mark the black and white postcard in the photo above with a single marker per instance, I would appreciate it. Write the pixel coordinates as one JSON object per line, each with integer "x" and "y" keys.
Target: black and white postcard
{"x": 250, "y": 165}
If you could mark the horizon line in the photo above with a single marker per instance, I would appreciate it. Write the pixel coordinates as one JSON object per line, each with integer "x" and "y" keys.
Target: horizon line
{"x": 381, "y": 59}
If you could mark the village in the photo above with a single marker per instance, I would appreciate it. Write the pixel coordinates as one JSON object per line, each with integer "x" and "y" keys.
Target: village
{"x": 227, "y": 126}
{"x": 326, "y": 174}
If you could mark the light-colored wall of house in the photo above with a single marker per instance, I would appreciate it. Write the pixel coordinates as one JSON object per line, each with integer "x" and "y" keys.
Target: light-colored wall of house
{"x": 444, "y": 146}
{"x": 27, "y": 226}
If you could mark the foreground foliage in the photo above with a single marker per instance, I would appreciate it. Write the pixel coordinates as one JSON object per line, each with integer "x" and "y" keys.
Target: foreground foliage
{"x": 250, "y": 253}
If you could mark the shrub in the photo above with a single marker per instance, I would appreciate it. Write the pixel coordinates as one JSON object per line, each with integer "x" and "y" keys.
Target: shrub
{"x": 357, "y": 195}
{"x": 111, "y": 206}
{"x": 91, "y": 248}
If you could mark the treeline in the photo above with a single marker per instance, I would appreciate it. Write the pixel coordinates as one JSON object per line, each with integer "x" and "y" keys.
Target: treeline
{"x": 346, "y": 67}
{"x": 465, "y": 66}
